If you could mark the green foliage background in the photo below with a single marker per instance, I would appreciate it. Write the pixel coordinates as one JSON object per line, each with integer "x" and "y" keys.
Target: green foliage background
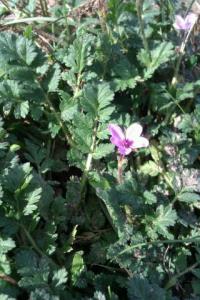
{"x": 68, "y": 230}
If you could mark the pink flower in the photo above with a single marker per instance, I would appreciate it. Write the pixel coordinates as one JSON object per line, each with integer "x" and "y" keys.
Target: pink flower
{"x": 129, "y": 140}
{"x": 185, "y": 24}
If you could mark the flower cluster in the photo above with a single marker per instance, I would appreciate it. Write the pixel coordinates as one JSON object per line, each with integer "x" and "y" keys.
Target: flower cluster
{"x": 129, "y": 140}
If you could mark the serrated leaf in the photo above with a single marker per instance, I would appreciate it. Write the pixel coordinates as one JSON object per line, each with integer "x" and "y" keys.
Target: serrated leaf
{"x": 189, "y": 197}
{"x": 41, "y": 294}
{"x": 69, "y": 111}
{"x": 97, "y": 100}
{"x": 159, "y": 55}
{"x": 21, "y": 109}
{"x": 150, "y": 168}
{"x": 150, "y": 198}
{"x": 141, "y": 289}
{"x": 59, "y": 277}
{"x": 6, "y": 245}
{"x": 164, "y": 218}
{"x": 103, "y": 150}
{"x": 32, "y": 199}
{"x": 52, "y": 79}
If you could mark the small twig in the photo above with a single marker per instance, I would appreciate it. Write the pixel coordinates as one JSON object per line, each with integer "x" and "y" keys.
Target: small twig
{"x": 8, "y": 279}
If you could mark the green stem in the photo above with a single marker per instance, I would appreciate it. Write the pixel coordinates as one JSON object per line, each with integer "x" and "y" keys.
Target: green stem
{"x": 139, "y": 8}
{"x": 58, "y": 119}
{"x": 120, "y": 170}
{"x": 88, "y": 164}
{"x": 44, "y": 8}
{"x": 35, "y": 246}
{"x": 174, "y": 279}
{"x": 160, "y": 242}
{"x": 165, "y": 177}
{"x": 32, "y": 242}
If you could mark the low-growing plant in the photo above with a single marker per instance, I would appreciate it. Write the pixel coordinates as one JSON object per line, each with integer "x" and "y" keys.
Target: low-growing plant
{"x": 89, "y": 207}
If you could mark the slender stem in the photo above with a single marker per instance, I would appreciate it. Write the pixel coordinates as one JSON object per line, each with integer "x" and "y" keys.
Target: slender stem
{"x": 34, "y": 245}
{"x": 32, "y": 242}
{"x": 58, "y": 119}
{"x": 8, "y": 279}
{"x": 88, "y": 164}
{"x": 173, "y": 280}
{"x": 5, "y": 4}
{"x": 139, "y": 8}
{"x": 120, "y": 170}
{"x": 189, "y": 7}
{"x": 181, "y": 53}
{"x": 167, "y": 180}
{"x": 160, "y": 242}
{"x": 45, "y": 7}
{"x": 176, "y": 102}
{"x": 77, "y": 88}
{"x": 42, "y": 7}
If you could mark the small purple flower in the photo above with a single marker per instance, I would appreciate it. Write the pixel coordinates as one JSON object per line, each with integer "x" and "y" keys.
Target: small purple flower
{"x": 185, "y": 24}
{"x": 129, "y": 140}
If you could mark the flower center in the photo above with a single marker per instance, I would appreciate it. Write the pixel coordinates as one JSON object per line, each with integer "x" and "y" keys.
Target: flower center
{"x": 127, "y": 143}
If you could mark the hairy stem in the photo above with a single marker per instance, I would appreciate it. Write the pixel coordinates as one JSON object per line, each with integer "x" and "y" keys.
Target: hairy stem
{"x": 44, "y": 8}
{"x": 35, "y": 246}
{"x": 120, "y": 170}
{"x": 189, "y": 7}
{"x": 139, "y": 8}
{"x": 57, "y": 117}
{"x": 160, "y": 242}
{"x": 88, "y": 164}
{"x": 174, "y": 279}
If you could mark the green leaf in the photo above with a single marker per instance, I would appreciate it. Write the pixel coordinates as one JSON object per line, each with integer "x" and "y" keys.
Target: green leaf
{"x": 68, "y": 107}
{"x": 59, "y": 277}
{"x": 189, "y": 197}
{"x": 77, "y": 267}
{"x": 6, "y": 245}
{"x": 52, "y": 79}
{"x": 17, "y": 50}
{"x": 159, "y": 55}
{"x": 21, "y": 109}
{"x": 97, "y": 100}
{"x": 103, "y": 150}
{"x": 150, "y": 168}
{"x": 117, "y": 218}
{"x": 41, "y": 294}
{"x": 141, "y": 289}
{"x": 164, "y": 218}
{"x": 150, "y": 198}
{"x": 78, "y": 56}
{"x": 32, "y": 199}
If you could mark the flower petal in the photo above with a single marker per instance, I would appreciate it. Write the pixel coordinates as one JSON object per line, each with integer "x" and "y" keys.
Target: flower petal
{"x": 140, "y": 142}
{"x": 179, "y": 23}
{"x": 117, "y": 134}
{"x": 124, "y": 151}
{"x": 190, "y": 20}
{"x": 133, "y": 131}
{"x": 117, "y": 142}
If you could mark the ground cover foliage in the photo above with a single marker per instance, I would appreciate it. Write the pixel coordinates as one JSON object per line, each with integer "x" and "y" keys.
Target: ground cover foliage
{"x": 68, "y": 228}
